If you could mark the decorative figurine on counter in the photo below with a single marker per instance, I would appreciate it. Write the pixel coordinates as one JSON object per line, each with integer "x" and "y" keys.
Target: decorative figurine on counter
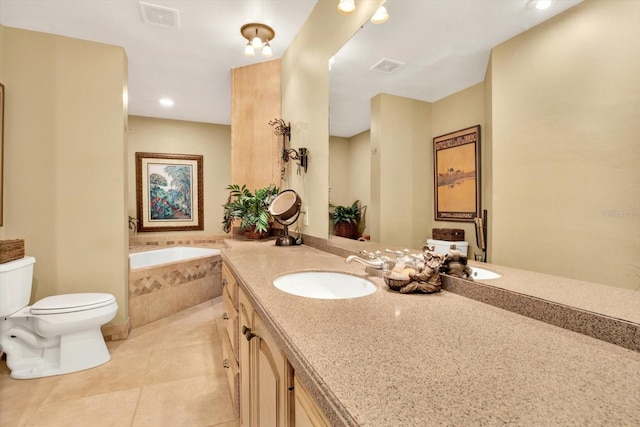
{"x": 455, "y": 264}
{"x": 424, "y": 276}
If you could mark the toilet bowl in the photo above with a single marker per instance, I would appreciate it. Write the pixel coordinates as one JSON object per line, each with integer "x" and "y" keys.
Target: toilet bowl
{"x": 443, "y": 246}
{"x": 56, "y": 335}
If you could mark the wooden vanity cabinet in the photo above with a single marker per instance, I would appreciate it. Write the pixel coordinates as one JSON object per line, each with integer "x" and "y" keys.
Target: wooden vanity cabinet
{"x": 230, "y": 338}
{"x": 260, "y": 377}
{"x": 266, "y": 382}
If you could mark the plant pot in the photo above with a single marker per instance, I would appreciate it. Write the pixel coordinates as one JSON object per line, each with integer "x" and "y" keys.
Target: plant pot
{"x": 346, "y": 229}
{"x": 252, "y": 234}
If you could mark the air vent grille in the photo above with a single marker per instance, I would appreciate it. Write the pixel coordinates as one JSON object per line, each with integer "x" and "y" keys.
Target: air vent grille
{"x": 386, "y": 66}
{"x": 160, "y": 15}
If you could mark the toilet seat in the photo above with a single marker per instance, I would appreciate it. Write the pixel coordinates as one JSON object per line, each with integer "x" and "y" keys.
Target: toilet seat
{"x": 70, "y": 303}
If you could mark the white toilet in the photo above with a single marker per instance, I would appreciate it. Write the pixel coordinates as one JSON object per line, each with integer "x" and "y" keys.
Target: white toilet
{"x": 443, "y": 246}
{"x": 56, "y": 335}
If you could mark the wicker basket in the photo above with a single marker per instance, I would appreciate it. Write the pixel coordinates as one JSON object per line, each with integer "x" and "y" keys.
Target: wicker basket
{"x": 11, "y": 250}
{"x": 448, "y": 234}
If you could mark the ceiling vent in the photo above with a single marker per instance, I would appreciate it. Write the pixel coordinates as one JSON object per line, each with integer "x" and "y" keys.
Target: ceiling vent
{"x": 386, "y": 66}
{"x": 159, "y": 15}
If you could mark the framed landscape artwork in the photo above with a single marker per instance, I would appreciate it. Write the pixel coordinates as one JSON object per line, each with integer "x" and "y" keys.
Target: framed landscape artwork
{"x": 456, "y": 159}
{"x": 1, "y": 145}
{"x": 169, "y": 192}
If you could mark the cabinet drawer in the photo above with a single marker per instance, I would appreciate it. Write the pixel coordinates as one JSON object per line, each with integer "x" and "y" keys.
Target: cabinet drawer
{"x": 231, "y": 322}
{"x": 230, "y": 284}
{"x": 233, "y": 373}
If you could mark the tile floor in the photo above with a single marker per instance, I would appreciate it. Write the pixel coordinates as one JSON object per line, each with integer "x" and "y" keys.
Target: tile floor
{"x": 168, "y": 373}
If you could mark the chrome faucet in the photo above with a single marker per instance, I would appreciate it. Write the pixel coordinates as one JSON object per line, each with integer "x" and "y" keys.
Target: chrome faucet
{"x": 376, "y": 264}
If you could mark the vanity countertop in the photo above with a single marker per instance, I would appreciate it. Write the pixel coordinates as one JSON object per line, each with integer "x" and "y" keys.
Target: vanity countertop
{"x": 390, "y": 359}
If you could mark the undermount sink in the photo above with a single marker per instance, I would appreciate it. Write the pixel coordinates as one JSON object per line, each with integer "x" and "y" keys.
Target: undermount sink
{"x": 324, "y": 285}
{"x": 481, "y": 274}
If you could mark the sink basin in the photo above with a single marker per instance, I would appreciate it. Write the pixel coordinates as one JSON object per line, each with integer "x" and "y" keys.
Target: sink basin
{"x": 324, "y": 285}
{"x": 481, "y": 274}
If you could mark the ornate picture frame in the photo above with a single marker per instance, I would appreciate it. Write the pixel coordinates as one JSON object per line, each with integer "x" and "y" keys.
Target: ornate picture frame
{"x": 456, "y": 158}
{"x": 169, "y": 192}
{"x": 1, "y": 149}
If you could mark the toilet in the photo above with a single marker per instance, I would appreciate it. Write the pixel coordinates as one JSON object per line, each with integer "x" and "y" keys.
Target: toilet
{"x": 56, "y": 335}
{"x": 443, "y": 246}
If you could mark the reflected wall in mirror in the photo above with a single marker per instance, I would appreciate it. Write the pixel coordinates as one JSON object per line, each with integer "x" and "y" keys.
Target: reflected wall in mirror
{"x": 558, "y": 109}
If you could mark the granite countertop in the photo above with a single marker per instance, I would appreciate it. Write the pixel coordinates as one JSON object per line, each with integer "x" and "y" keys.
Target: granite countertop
{"x": 390, "y": 359}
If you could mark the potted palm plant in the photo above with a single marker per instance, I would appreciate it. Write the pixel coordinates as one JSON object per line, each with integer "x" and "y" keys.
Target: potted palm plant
{"x": 346, "y": 220}
{"x": 251, "y": 209}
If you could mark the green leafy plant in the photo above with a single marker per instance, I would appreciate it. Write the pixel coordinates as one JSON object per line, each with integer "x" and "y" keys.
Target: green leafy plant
{"x": 348, "y": 221}
{"x": 349, "y": 214}
{"x": 252, "y": 209}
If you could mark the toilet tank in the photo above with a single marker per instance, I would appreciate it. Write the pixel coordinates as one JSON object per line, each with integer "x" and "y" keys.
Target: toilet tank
{"x": 15, "y": 284}
{"x": 443, "y": 246}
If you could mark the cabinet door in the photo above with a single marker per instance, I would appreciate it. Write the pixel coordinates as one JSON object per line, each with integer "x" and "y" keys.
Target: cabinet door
{"x": 271, "y": 406}
{"x": 245, "y": 314}
{"x": 307, "y": 413}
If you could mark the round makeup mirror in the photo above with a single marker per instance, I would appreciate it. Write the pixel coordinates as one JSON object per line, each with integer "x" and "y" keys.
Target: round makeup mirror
{"x": 285, "y": 209}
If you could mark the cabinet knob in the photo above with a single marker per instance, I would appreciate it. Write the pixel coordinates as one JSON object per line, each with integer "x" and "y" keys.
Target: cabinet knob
{"x": 245, "y": 330}
{"x": 225, "y": 316}
{"x": 249, "y": 335}
{"x": 225, "y": 282}
{"x": 225, "y": 364}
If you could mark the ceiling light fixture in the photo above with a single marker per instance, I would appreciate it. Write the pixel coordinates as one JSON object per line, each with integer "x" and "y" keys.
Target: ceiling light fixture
{"x": 258, "y": 37}
{"x": 381, "y": 16}
{"x": 166, "y": 102}
{"x": 539, "y": 4}
{"x": 346, "y": 6}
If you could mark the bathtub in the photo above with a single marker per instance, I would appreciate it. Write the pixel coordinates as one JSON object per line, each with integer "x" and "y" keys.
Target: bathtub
{"x": 168, "y": 255}
{"x": 165, "y": 281}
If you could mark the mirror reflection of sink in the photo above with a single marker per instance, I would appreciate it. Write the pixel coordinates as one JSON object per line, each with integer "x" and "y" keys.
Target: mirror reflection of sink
{"x": 481, "y": 274}
{"x": 324, "y": 285}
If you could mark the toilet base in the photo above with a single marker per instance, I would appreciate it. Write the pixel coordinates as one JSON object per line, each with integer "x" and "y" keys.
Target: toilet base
{"x": 75, "y": 352}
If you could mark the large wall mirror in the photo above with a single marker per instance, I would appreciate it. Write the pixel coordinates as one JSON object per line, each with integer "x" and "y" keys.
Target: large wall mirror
{"x": 428, "y": 72}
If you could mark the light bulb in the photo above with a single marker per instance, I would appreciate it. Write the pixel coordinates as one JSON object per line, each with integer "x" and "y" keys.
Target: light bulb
{"x": 381, "y": 16}
{"x": 346, "y": 6}
{"x": 256, "y": 43}
{"x": 266, "y": 50}
{"x": 543, "y": 4}
{"x": 248, "y": 50}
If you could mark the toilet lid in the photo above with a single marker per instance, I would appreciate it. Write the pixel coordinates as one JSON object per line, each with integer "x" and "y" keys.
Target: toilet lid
{"x": 69, "y": 303}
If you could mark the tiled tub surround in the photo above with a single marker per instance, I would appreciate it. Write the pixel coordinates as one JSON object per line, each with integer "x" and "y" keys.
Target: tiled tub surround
{"x": 390, "y": 359}
{"x": 161, "y": 290}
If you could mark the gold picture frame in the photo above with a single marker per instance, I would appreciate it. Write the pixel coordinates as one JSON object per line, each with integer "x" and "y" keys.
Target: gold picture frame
{"x": 169, "y": 192}
{"x": 1, "y": 150}
{"x": 456, "y": 158}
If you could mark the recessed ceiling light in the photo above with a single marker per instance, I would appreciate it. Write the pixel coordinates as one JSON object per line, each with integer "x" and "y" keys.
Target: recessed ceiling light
{"x": 166, "y": 102}
{"x": 539, "y": 4}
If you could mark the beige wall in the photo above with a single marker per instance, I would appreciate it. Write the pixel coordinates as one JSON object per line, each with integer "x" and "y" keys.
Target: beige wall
{"x": 566, "y": 120}
{"x": 305, "y": 100}
{"x": 401, "y": 190}
{"x": 65, "y": 174}
{"x": 458, "y": 111}
{"x": 179, "y": 137}
{"x": 350, "y": 172}
{"x": 339, "y": 163}
{"x": 559, "y": 112}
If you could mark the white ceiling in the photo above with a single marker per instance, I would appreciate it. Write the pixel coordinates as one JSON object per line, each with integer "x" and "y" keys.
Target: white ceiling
{"x": 444, "y": 43}
{"x": 192, "y": 64}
